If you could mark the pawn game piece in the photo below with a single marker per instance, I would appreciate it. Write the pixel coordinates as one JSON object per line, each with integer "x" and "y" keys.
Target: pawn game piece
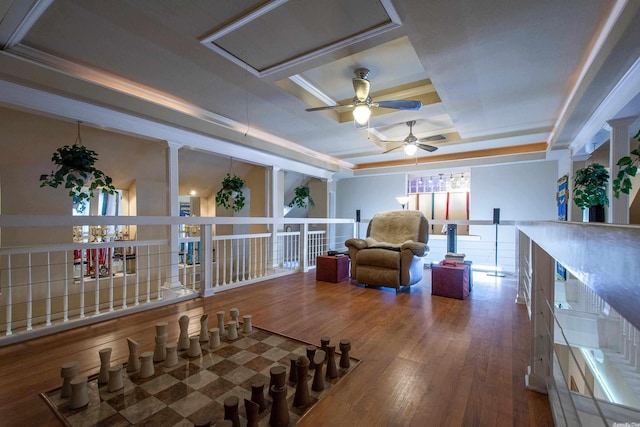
{"x": 311, "y": 351}
{"x": 133, "y": 364}
{"x": 194, "y": 347}
{"x": 171, "y": 356}
{"x": 235, "y": 313}
{"x": 204, "y": 328}
{"x": 252, "y": 410}
{"x": 115, "y": 378}
{"x": 332, "y": 369}
{"x": 257, "y": 394}
{"x": 79, "y": 393}
{"x": 231, "y": 410}
{"x": 183, "y": 340}
{"x": 279, "y": 409}
{"x": 302, "y": 398}
{"x": 223, "y": 331}
{"x": 202, "y": 421}
{"x": 105, "y": 361}
{"x": 160, "y": 351}
{"x": 318, "y": 377}
{"x": 345, "y": 347}
{"x": 232, "y": 331}
{"x": 214, "y": 337}
{"x": 246, "y": 324}
{"x": 68, "y": 371}
{"x": 146, "y": 366}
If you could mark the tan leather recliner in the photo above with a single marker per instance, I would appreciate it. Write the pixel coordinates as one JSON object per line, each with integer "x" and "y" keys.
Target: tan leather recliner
{"x": 392, "y": 255}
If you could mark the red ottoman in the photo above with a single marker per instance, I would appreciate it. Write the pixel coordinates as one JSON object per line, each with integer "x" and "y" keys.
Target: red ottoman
{"x": 450, "y": 280}
{"x": 332, "y": 268}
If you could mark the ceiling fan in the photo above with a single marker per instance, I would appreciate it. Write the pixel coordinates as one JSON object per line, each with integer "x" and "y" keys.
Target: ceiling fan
{"x": 411, "y": 143}
{"x": 362, "y": 102}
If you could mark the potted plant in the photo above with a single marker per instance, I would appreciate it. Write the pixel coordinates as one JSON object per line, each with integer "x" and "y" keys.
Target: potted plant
{"x": 628, "y": 168}
{"x": 302, "y": 197}
{"x": 230, "y": 195}
{"x": 76, "y": 171}
{"x": 590, "y": 190}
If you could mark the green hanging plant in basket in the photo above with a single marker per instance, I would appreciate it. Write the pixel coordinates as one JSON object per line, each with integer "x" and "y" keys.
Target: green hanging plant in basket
{"x": 230, "y": 195}
{"x": 76, "y": 171}
{"x": 628, "y": 168}
{"x": 590, "y": 186}
{"x": 302, "y": 197}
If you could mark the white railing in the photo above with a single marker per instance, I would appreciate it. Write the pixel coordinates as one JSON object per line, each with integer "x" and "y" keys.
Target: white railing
{"x": 47, "y": 288}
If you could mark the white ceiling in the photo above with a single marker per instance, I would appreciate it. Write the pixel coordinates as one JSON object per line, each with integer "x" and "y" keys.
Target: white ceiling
{"x": 506, "y": 74}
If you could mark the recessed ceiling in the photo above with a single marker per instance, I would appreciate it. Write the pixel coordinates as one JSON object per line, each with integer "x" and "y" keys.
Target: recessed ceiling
{"x": 260, "y": 43}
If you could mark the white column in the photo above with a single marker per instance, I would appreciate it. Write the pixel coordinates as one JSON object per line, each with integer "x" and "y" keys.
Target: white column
{"x": 206, "y": 260}
{"x": 618, "y": 147}
{"x": 173, "y": 280}
{"x": 276, "y": 205}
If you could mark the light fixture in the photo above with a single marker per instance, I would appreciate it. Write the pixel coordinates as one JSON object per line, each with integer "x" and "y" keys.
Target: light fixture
{"x": 403, "y": 200}
{"x": 410, "y": 149}
{"x": 361, "y": 114}
{"x": 192, "y": 192}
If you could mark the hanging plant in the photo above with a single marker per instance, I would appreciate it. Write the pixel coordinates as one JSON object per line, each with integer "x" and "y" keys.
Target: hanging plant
{"x": 77, "y": 173}
{"x": 628, "y": 169}
{"x": 302, "y": 197}
{"x": 590, "y": 186}
{"x": 230, "y": 195}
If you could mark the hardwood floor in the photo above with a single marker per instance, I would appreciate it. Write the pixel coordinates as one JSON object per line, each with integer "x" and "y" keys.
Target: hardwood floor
{"x": 427, "y": 360}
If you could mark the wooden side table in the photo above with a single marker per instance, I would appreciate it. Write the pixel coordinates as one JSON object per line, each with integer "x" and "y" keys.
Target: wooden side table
{"x": 332, "y": 268}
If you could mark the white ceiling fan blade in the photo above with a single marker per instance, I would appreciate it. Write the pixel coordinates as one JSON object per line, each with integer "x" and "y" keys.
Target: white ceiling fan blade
{"x": 330, "y": 107}
{"x": 395, "y": 148}
{"x": 433, "y": 138}
{"x": 425, "y": 147}
{"x": 400, "y": 104}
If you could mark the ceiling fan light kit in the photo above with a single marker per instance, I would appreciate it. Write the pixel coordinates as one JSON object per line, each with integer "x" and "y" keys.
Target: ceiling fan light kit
{"x": 410, "y": 149}
{"x": 411, "y": 143}
{"x": 361, "y": 114}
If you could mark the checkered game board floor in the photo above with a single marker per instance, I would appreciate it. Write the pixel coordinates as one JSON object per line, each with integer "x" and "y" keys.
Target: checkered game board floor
{"x": 182, "y": 394}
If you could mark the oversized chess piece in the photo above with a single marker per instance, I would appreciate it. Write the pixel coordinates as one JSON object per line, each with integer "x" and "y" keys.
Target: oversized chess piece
{"x": 232, "y": 331}
{"x": 68, "y": 371}
{"x": 79, "y": 393}
{"x": 214, "y": 337}
{"x": 160, "y": 350}
{"x": 332, "y": 369}
{"x": 115, "y": 378}
{"x": 204, "y": 328}
{"x": 246, "y": 324}
{"x": 231, "y": 410}
{"x": 279, "y": 409}
{"x": 257, "y": 395}
{"x": 345, "y": 347}
{"x": 293, "y": 372}
{"x": 302, "y": 398}
{"x": 194, "y": 346}
{"x": 161, "y": 329}
{"x": 252, "y": 410}
{"x": 235, "y": 314}
{"x": 324, "y": 342}
{"x": 146, "y": 365}
{"x": 318, "y": 377}
{"x": 183, "y": 340}
{"x": 171, "y": 355}
{"x": 133, "y": 363}
{"x": 202, "y": 420}
{"x": 223, "y": 331}
{"x": 278, "y": 376}
{"x": 105, "y": 363}
{"x": 311, "y": 351}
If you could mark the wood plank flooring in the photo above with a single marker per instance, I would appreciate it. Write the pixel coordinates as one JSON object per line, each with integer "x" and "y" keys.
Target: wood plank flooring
{"x": 427, "y": 360}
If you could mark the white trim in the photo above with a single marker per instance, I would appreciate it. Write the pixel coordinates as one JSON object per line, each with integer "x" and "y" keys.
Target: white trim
{"x": 313, "y": 90}
{"x": 26, "y": 20}
{"x": 243, "y": 20}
